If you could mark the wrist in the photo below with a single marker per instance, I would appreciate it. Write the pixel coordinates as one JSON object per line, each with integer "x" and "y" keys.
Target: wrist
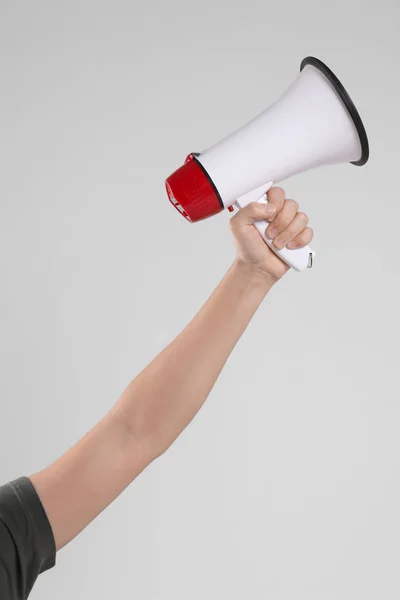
{"x": 254, "y": 275}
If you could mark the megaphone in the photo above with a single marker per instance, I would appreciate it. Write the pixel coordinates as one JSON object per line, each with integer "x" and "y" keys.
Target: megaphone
{"x": 314, "y": 123}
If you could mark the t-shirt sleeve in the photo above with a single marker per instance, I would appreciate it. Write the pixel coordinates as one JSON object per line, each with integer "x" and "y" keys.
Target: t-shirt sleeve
{"x": 27, "y": 546}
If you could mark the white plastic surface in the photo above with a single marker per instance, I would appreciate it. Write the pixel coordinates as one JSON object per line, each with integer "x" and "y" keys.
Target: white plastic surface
{"x": 299, "y": 258}
{"x": 307, "y": 127}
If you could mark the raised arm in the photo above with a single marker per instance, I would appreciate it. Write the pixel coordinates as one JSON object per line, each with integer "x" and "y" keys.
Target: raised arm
{"x": 166, "y": 395}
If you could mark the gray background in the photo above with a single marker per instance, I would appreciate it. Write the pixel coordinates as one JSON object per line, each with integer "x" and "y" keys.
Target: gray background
{"x": 287, "y": 484}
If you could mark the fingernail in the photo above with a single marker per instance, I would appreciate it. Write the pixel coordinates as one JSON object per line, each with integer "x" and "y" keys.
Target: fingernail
{"x": 291, "y": 245}
{"x": 271, "y": 232}
{"x": 278, "y": 244}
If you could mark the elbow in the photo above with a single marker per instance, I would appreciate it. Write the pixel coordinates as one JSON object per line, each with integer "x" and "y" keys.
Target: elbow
{"x": 140, "y": 438}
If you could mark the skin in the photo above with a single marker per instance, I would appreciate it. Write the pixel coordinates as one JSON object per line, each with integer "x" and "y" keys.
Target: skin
{"x": 162, "y": 400}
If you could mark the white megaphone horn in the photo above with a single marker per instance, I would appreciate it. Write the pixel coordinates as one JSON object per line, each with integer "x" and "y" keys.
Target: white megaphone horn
{"x": 314, "y": 123}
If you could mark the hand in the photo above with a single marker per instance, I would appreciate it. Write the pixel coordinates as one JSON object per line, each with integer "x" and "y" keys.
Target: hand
{"x": 287, "y": 227}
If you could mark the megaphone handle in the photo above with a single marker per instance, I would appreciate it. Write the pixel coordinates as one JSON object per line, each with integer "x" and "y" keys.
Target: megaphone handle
{"x": 298, "y": 258}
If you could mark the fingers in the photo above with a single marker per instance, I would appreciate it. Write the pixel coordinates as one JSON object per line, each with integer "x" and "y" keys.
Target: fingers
{"x": 302, "y": 239}
{"x": 293, "y": 229}
{"x": 283, "y": 219}
{"x": 255, "y": 211}
{"x": 289, "y": 227}
{"x": 276, "y": 197}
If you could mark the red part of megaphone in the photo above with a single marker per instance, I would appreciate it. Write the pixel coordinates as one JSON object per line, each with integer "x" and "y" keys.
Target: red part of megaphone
{"x": 192, "y": 192}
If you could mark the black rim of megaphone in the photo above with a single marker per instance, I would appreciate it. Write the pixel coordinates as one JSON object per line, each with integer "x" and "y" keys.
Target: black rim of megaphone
{"x": 347, "y": 101}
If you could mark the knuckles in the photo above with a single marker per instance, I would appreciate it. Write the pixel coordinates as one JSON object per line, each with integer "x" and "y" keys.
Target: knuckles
{"x": 303, "y": 217}
{"x": 292, "y": 204}
{"x": 282, "y": 220}
{"x": 277, "y": 192}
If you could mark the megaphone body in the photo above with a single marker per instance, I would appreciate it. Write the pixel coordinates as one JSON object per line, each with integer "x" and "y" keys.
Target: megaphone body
{"x": 314, "y": 123}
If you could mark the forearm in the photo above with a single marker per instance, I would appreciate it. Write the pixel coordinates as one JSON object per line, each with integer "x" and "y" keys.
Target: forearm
{"x": 165, "y": 397}
{"x": 152, "y": 411}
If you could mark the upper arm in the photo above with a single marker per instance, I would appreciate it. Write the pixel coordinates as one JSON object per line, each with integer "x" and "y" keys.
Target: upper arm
{"x": 27, "y": 545}
{"x": 88, "y": 477}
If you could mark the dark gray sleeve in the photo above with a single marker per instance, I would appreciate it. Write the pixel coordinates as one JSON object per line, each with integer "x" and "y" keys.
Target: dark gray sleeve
{"x": 27, "y": 546}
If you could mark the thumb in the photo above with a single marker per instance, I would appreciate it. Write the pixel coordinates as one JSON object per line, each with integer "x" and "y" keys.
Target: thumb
{"x": 255, "y": 211}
